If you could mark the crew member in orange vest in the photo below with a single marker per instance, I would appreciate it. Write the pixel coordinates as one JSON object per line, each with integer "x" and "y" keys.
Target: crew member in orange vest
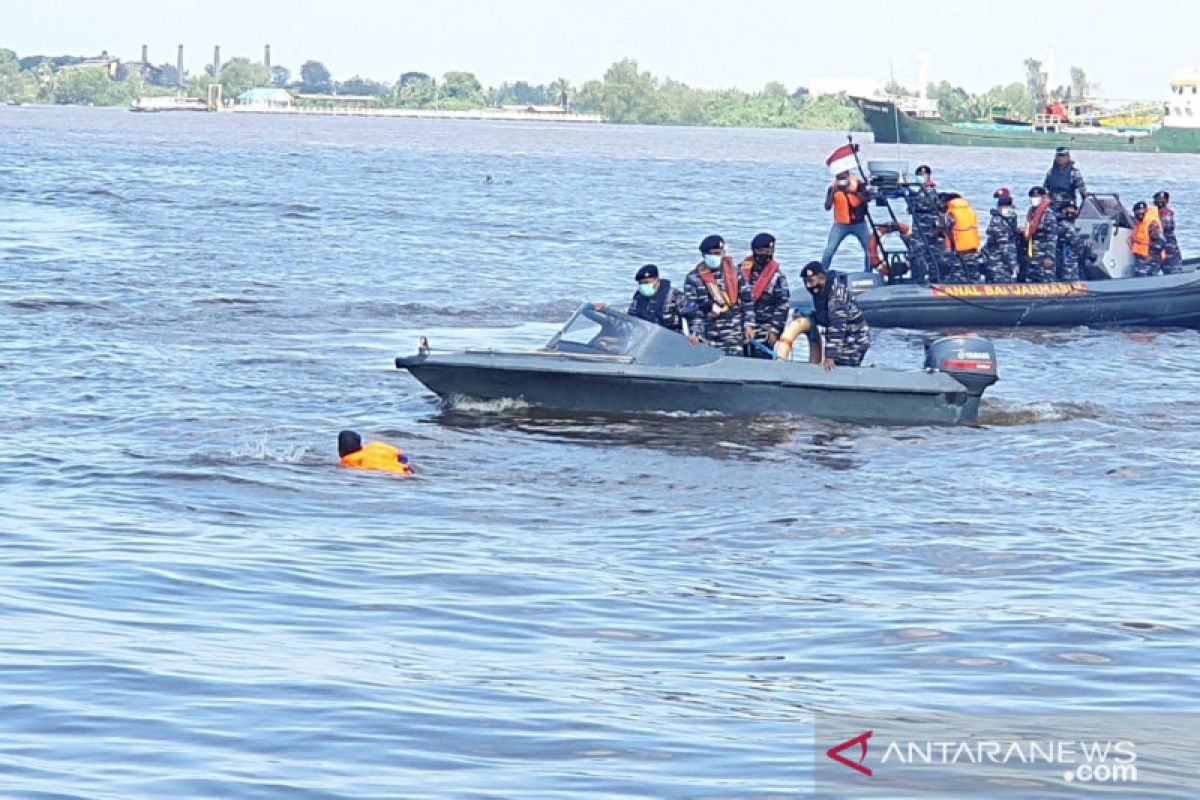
{"x": 373, "y": 455}
{"x": 964, "y": 264}
{"x": 847, "y": 197}
{"x": 1147, "y": 242}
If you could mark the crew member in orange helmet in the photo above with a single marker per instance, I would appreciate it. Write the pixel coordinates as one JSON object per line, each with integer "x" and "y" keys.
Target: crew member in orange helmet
{"x": 373, "y": 455}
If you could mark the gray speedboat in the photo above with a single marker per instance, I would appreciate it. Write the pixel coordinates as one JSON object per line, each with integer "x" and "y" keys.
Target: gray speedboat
{"x": 607, "y": 361}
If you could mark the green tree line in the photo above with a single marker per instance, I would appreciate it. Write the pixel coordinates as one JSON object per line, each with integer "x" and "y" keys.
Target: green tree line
{"x": 625, "y": 94}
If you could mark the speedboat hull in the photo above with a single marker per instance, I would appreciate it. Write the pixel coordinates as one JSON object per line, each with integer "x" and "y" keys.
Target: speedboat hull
{"x": 1165, "y": 301}
{"x": 864, "y": 394}
{"x": 604, "y": 361}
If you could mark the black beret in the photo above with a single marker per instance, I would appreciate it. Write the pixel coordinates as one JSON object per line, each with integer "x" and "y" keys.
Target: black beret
{"x": 648, "y": 271}
{"x": 762, "y": 240}
{"x": 1037, "y": 191}
{"x": 711, "y": 243}
{"x": 1062, "y": 151}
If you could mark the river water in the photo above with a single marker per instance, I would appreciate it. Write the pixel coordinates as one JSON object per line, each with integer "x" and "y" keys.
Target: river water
{"x": 197, "y": 602}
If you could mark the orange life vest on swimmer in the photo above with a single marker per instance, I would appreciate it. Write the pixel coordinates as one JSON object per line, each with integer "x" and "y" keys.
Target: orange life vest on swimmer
{"x": 875, "y": 249}
{"x": 848, "y": 207}
{"x": 964, "y": 237}
{"x": 376, "y": 455}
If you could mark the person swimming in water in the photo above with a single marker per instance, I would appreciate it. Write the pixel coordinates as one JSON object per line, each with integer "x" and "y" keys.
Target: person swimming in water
{"x": 373, "y": 455}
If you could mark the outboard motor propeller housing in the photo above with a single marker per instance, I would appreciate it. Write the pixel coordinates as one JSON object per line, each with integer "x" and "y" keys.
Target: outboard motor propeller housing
{"x": 969, "y": 359}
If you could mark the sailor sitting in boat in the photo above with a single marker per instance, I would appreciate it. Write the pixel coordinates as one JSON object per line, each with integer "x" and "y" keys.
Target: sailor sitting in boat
{"x": 770, "y": 293}
{"x": 1041, "y": 236}
{"x": 847, "y": 337}
{"x": 720, "y": 306}
{"x": 656, "y": 300}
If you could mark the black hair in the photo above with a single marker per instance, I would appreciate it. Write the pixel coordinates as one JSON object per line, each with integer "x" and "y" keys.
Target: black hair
{"x": 348, "y": 442}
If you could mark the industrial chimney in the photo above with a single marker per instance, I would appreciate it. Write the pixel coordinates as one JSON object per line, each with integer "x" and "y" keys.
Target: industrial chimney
{"x": 216, "y": 61}
{"x": 179, "y": 68}
{"x": 145, "y": 58}
{"x": 267, "y": 57}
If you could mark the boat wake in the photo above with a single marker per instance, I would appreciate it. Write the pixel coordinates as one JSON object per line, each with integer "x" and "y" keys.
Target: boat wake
{"x": 473, "y": 405}
{"x": 995, "y": 412}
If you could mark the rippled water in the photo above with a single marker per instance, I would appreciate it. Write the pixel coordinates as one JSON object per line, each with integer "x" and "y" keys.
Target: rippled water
{"x": 198, "y": 603}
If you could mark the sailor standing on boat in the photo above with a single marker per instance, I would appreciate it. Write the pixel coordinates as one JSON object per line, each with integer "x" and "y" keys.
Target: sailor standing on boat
{"x": 1070, "y": 243}
{"x": 928, "y": 235}
{"x": 963, "y": 264}
{"x": 847, "y": 337}
{"x": 719, "y": 305}
{"x": 1172, "y": 261}
{"x": 1041, "y": 236}
{"x": 1001, "y": 261}
{"x": 770, "y": 293}
{"x": 847, "y": 197}
{"x": 1147, "y": 243}
{"x": 1064, "y": 180}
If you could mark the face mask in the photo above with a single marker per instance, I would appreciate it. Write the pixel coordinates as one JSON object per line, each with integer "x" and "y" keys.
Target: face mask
{"x": 646, "y": 289}
{"x": 762, "y": 261}
{"x": 712, "y": 260}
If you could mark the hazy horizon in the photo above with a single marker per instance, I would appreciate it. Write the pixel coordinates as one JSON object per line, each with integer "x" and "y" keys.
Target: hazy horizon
{"x": 703, "y": 43}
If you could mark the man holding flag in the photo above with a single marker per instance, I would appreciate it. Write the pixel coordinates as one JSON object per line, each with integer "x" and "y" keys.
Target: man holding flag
{"x": 847, "y": 197}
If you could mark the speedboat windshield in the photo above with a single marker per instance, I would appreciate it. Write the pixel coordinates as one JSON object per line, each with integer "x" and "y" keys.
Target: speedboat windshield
{"x": 595, "y": 332}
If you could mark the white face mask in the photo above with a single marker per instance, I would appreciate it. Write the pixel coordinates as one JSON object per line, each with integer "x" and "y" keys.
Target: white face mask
{"x": 712, "y": 260}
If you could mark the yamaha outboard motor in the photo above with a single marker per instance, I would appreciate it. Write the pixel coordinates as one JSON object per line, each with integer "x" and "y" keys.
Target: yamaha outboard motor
{"x": 969, "y": 359}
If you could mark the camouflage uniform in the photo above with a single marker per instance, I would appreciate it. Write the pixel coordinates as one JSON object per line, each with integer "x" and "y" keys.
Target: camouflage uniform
{"x": 1064, "y": 184}
{"x": 770, "y": 309}
{"x": 1043, "y": 248}
{"x": 928, "y": 236}
{"x": 1151, "y": 264}
{"x": 664, "y": 308}
{"x": 847, "y": 336}
{"x": 1070, "y": 250}
{"x": 1172, "y": 257}
{"x": 722, "y": 329}
{"x": 1000, "y": 250}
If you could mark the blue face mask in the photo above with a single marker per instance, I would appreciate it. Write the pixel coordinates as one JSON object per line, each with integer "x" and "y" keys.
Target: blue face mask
{"x": 713, "y": 260}
{"x": 647, "y": 289}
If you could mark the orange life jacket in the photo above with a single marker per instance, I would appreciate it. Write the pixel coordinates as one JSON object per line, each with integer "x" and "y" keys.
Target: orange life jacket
{"x": 376, "y": 455}
{"x": 848, "y": 206}
{"x": 875, "y": 249}
{"x": 724, "y": 300}
{"x": 964, "y": 237}
{"x": 759, "y": 287}
{"x": 1140, "y": 243}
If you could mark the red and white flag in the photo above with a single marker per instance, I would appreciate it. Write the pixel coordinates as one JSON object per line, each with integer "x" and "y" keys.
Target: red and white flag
{"x": 841, "y": 160}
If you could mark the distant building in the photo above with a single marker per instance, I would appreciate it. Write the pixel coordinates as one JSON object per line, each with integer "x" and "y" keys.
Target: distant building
{"x": 110, "y": 64}
{"x": 266, "y": 97}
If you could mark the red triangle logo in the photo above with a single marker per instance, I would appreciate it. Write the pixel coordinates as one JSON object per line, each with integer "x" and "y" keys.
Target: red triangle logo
{"x": 835, "y": 753}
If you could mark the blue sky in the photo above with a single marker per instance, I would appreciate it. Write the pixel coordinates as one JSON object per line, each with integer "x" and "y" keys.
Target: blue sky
{"x": 701, "y": 42}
